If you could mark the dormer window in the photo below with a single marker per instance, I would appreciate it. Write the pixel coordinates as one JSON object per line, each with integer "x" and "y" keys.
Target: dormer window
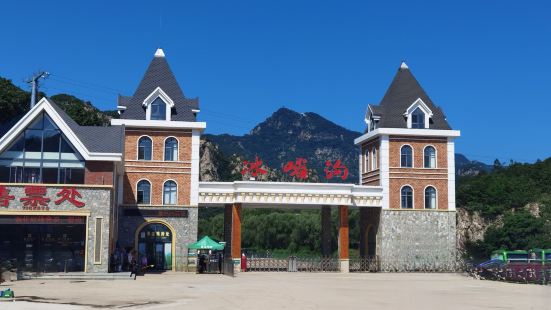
{"x": 417, "y": 119}
{"x": 158, "y": 106}
{"x": 158, "y": 110}
{"x": 418, "y": 115}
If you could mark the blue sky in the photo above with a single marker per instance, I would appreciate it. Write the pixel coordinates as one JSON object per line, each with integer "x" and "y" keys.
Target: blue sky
{"x": 486, "y": 63}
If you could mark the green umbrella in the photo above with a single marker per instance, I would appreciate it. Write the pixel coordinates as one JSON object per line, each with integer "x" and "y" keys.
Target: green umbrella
{"x": 205, "y": 243}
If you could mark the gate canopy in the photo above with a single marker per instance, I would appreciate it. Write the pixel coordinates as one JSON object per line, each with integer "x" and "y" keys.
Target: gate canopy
{"x": 288, "y": 194}
{"x": 206, "y": 243}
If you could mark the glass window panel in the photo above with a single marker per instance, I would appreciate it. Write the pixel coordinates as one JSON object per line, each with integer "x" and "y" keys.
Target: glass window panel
{"x": 430, "y": 157}
{"x": 4, "y": 173}
{"x": 143, "y": 192}
{"x": 71, "y": 164}
{"x": 417, "y": 119}
{"x": 72, "y": 176}
{"x": 39, "y": 148}
{"x": 31, "y": 175}
{"x": 48, "y": 123}
{"x": 406, "y": 156}
{"x": 51, "y": 141}
{"x": 169, "y": 197}
{"x": 33, "y": 140}
{"x": 18, "y": 145}
{"x": 171, "y": 149}
{"x": 158, "y": 109}
{"x": 38, "y": 123}
{"x": 430, "y": 198}
{"x": 144, "y": 148}
{"x": 49, "y": 175}
{"x": 406, "y": 197}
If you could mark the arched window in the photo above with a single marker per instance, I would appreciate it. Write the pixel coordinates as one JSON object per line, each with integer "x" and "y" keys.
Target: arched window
{"x": 430, "y": 157}
{"x": 406, "y": 194}
{"x": 143, "y": 192}
{"x": 171, "y": 149}
{"x": 366, "y": 160}
{"x": 430, "y": 198}
{"x": 169, "y": 193}
{"x": 158, "y": 110}
{"x": 406, "y": 156}
{"x": 144, "y": 148}
{"x": 417, "y": 119}
{"x": 374, "y": 159}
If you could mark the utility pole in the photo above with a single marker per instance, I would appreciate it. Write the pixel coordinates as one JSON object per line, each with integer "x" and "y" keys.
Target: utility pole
{"x": 34, "y": 84}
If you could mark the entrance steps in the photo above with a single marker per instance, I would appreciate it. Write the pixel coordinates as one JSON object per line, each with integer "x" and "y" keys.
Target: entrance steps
{"x": 77, "y": 276}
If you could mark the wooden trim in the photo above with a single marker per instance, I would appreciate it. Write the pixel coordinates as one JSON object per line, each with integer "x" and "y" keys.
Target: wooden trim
{"x": 56, "y": 213}
{"x": 95, "y": 239}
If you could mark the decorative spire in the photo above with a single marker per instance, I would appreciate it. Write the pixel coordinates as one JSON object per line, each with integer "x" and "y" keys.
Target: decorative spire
{"x": 403, "y": 66}
{"x": 159, "y": 53}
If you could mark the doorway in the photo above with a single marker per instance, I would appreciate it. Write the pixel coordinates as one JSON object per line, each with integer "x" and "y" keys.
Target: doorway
{"x": 155, "y": 243}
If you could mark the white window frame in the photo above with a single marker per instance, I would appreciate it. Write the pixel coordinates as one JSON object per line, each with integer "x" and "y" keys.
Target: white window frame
{"x": 176, "y": 201}
{"x": 412, "y": 156}
{"x": 435, "y": 198}
{"x": 366, "y": 160}
{"x": 177, "y": 149}
{"x": 435, "y": 157}
{"x": 138, "y": 148}
{"x": 423, "y": 107}
{"x": 150, "y": 191}
{"x": 374, "y": 159}
{"x": 412, "y": 197}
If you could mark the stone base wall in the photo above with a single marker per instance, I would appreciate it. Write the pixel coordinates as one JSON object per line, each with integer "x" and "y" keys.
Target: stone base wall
{"x": 417, "y": 240}
{"x": 185, "y": 230}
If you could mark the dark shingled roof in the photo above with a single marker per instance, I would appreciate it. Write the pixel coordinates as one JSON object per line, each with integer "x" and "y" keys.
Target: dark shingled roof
{"x": 97, "y": 139}
{"x": 402, "y": 93}
{"x": 158, "y": 74}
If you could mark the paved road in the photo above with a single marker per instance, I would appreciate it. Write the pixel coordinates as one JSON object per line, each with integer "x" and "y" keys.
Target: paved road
{"x": 282, "y": 291}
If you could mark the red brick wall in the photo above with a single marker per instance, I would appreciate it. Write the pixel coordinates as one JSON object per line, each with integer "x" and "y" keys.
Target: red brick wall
{"x": 417, "y": 176}
{"x": 157, "y": 171}
{"x": 369, "y": 176}
{"x": 98, "y": 173}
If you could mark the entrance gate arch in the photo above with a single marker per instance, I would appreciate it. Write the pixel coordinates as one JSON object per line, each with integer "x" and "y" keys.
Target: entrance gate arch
{"x": 156, "y": 240}
{"x": 234, "y": 196}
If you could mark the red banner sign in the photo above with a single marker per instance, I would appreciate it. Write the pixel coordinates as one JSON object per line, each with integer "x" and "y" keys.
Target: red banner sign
{"x": 36, "y": 197}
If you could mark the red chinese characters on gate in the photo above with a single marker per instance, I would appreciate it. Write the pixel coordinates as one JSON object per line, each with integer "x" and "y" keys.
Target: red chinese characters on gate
{"x": 335, "y": 170}
{"x": 253, "y": 168}
{"x": 297, "y": 168}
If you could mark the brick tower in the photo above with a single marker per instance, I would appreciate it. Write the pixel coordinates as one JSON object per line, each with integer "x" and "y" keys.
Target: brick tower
{"x": 408, "y": 150}
{"x": 159, "y": 195}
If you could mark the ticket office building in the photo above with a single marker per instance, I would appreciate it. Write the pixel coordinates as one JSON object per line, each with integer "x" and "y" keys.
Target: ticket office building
{"x": 57, "y": 181}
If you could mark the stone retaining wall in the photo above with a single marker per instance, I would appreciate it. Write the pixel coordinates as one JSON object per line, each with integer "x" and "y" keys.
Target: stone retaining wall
{"x": 411, "y": 240}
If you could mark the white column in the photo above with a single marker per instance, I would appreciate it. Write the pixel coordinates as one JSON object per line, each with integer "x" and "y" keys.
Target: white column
{"x": 384, "y": 155}
{"x": 194, "y": 186}
{"x": 451, "y": 173}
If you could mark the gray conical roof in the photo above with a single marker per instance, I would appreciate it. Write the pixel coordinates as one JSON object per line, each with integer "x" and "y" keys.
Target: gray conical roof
{"x": 158, "y": 74}
{"x": 401, "y": 94}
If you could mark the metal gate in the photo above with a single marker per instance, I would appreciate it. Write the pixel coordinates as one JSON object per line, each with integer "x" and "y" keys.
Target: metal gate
{"x": 293, "y": 264}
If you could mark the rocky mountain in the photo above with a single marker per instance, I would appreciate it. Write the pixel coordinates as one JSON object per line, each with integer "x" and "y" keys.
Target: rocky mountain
{"x": 465, "y": 167}
{"x": 287, "y": 135}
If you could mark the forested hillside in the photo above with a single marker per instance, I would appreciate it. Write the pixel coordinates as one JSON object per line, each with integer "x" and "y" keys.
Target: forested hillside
{"x": 509, "y": 208}
{"x": 14, "y": 102}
